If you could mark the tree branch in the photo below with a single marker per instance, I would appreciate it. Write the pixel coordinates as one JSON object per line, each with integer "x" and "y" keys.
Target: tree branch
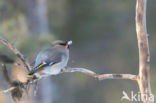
{"x": 8, "y": 90}
{"x": 144, "y": 55}
{"x": 81, "y": 70}
{"x": 16, "y": 52}
{"x": 101, "y": 76}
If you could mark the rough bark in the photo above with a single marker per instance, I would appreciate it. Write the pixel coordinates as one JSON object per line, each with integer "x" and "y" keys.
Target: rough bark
{"x": 144, "y": 55}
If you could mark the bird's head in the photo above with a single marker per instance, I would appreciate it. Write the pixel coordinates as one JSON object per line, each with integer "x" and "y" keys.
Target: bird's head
{"x": 62, "y": 43}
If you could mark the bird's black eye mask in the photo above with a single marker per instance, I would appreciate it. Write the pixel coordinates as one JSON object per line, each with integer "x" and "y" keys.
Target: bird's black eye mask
{"x": 66, "y": 44}
{"x": 63, "y": 44}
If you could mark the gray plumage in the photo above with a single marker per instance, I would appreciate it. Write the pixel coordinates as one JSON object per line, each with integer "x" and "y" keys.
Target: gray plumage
{"x": 53, "y": 55}
{"x": 54, "y": 59}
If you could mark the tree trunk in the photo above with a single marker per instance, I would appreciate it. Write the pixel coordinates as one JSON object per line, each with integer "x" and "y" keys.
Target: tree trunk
{"x": 35, "y": 12}
{"x": 144, "y": 55}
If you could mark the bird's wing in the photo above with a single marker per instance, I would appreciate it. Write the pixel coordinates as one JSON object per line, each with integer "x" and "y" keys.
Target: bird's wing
{"x": 45, "y": 58}
{"x": 49, "y": 55}
{"x": 39, "y": 68}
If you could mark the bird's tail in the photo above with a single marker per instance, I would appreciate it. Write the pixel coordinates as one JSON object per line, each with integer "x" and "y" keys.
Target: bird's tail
{"x": 36, "y": 69}
{"x": 29, "y": 76}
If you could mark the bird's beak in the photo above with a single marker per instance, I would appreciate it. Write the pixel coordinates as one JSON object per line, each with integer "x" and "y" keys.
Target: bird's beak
{"x": 69, "y": 43}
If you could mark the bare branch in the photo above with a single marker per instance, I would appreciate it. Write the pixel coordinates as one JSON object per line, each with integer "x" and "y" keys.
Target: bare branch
{"x": 84, "y": 71}
{"x": 101, "y": 76}
{"x": 16, "y": 52}
{"x": 8, "y": 90}
{"x": 144, "y": 56}
{"x": 116, "y": 76}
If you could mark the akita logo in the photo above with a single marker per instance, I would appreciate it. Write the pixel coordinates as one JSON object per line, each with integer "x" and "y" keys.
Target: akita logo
{"x": 136, "y": 96}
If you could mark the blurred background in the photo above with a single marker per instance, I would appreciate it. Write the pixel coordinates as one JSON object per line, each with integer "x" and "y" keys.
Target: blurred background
{"x": 104, "y": 41}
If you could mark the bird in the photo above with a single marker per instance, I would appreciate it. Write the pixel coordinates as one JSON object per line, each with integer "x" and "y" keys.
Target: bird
{"x": 52, "y": 60}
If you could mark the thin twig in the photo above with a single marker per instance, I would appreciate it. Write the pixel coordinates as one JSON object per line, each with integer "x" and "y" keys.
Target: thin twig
{"x": 8, "y": 90}
{"x": 16, "y": 52}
